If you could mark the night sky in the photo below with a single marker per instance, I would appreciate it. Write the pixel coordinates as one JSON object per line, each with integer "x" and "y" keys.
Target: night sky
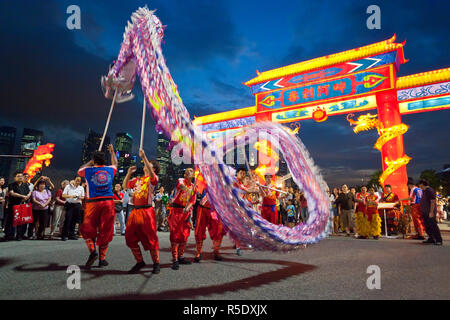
{"x": 52, "y": 78}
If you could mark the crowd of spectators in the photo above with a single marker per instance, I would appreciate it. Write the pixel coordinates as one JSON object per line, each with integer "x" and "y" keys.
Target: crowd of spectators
{"x": 58, "y": 211}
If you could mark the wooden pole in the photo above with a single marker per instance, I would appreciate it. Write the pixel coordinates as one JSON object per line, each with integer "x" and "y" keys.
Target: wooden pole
{"x": 107, "y": 121}
{"x": 142, "y": 126}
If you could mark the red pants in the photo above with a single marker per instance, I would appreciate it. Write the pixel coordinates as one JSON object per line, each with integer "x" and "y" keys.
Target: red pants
{"x": 270, "y": 213}
{"x": 141, "y": 227}
{"x": 417, "y": 219}
{"x": 179, "y": 227}
{"x": 98, "y": 222}
{"x": 208, "y": 219}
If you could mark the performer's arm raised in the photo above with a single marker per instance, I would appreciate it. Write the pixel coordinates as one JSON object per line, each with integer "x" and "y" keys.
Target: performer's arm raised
{"x": 114, "y": 161}
{"x": 147, "y": 164}
{"x": 131, "y": 170}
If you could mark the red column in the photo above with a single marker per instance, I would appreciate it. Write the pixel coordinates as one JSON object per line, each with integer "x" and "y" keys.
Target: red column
{"x": 389, "y": 115}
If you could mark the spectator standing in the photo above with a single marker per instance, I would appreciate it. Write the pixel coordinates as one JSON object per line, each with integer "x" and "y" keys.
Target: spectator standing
{"x": 29, "y": 228}
{"x": 335, "y": 211}
{"x": 118, "y": 208}
{"x": 428, "y": 208}
{"x": 290, "y": 213}
{"x": 130, "y": 205}
{"x": 346, "y": 204}
{"x": 304, "y": 207}
{"x": 19, "y": 193}
{"x": 2, "y": 201}
{"x": 158, "y": 207}
{"x": 41, "y": 199}
{"x": 74, "y": 194}
{"x": 59, "y": 210}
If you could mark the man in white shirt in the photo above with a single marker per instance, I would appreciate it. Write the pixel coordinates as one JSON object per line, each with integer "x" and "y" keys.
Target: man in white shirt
{"x": 74, "y": 195}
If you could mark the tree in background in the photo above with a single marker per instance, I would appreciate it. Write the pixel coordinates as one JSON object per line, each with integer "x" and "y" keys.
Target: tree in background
{"x": 374, "y": 180}
{"x": 432, "y": 178}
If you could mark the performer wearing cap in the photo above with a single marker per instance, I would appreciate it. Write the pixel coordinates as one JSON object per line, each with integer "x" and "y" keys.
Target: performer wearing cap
{"x": 179, "y": 217}
{"x": 269, "y": 201}
{"x": 416, "y": 195}
{"x": 141, "y": 224}
{"x": 98, "y": 224}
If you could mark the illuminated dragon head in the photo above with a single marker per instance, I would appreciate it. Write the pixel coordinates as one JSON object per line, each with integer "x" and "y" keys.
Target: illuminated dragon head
{"x": 364, "y": 122}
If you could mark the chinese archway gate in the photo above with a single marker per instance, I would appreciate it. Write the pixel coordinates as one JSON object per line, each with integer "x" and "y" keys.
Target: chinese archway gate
{"x": 351, "y": 81}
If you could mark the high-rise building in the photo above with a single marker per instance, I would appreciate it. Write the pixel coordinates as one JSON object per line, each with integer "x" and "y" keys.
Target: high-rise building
{"x": 91, "y": 144}
{"x": 123, "y": 146}
{"x": 124, "y": 142}
{"x": 31, "y": 140}
{"x": 169, "y": 173}
{"x": 7, "y": 142}
{"x": 163, "y": 157}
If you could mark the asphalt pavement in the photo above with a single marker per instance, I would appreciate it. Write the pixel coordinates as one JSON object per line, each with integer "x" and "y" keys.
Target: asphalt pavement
{"x": 335, "y": 268}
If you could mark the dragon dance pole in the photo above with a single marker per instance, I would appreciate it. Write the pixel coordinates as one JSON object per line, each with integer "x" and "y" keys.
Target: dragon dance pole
{"x": 142, "y": 126}
{"x": 107, "y": 121}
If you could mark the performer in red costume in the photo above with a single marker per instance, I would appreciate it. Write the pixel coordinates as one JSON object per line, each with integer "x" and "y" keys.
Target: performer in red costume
{"x": 269, "y": 201}
{"x": 98, "y": 223}
{"x": 207, "y": 218}
{"x": 373, "y": 218}
{"x": 416, "y": 195}
{"x": 360, "y": 212}
{"x": 392, "y": 215}
{"x": 241, "y": 175}
{"x": 141, "y": 224}
{"x": 179, "y": 217}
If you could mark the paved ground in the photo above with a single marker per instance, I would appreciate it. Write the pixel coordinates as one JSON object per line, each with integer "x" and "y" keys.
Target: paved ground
{"x": 333, "y": 269}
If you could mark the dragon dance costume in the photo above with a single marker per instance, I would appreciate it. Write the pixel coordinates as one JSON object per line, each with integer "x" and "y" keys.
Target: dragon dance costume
{"x": 141, "y": 224}
{"x": 416, "y": 195}
{"x": 178, "y": 219}
{"x": 360, "y": 212}
{"x": 368, "y": 221}
{"x": 99, "y": 216}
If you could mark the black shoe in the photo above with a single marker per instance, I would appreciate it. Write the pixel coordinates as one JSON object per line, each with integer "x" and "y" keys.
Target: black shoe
{"x": 197, "y": 259}
{"x": 92, "y": 257}
{"x": 138, "y": 266}
{"x": 73, "y": 238}
{"x": 217, "y": 257}
{"x": 156, "y": 268}
{"x": 361, "y": 237}
{"x": 428, "y": 241}
{"x": 437, "y": 243}
{"x": 175, "y": 265}
{"x": 19, "y": 239}
{"x": 376, "y": 237}
{"x": 419, "y": 238}
{"x": 102, "y": 263}
{"x": 122, "y": 234}
{"x": 63, "y": 239}
{"x": 184, "y": 261}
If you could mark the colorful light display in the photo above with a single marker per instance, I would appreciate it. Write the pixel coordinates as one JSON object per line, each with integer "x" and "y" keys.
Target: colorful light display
{"x": 41, "y": 155}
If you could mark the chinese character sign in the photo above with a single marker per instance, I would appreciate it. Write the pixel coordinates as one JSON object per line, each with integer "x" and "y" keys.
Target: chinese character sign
{"x": 358, "y": 84}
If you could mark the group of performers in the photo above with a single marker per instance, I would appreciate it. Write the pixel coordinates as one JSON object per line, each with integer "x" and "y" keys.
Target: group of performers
{"x": 98, "y": 225}
{"x": 368, "y": 216}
